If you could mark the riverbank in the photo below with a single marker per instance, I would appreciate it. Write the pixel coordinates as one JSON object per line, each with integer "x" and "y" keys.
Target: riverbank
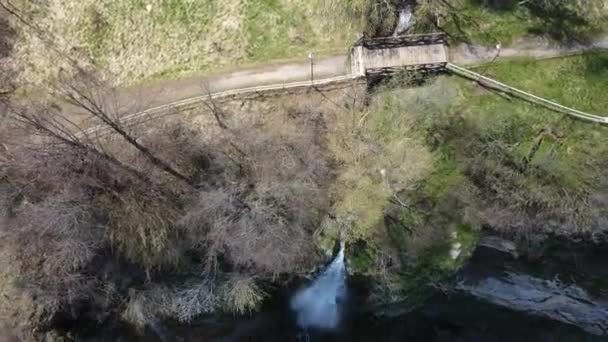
{"x": 458, "y": 310}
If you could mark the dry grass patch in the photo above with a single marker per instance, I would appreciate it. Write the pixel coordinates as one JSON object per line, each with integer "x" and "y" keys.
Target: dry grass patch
{"x": 142, "y": 39}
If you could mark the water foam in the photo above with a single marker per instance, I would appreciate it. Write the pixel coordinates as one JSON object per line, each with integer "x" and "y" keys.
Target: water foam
{"x": 318, "y": 305}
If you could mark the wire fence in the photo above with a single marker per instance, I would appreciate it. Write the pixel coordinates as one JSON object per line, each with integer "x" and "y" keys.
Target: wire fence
{"x": 182, "y": 104}
{"x": 160, "y": 110}
{"x": 526, "y": 96}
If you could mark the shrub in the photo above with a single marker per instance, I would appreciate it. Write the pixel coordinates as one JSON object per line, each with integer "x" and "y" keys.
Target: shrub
{"x": 242, "y": 295}
{"x": 99, "y": 228}
{"x": 143, "y": 230}
{"x": 261, "y": 213}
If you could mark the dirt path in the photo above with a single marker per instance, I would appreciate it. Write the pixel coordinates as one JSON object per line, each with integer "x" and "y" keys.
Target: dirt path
{"x": 537, "y": 47}
{"x": 165, "y": 92}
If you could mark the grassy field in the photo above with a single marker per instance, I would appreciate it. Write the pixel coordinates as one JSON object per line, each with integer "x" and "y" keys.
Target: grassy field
{"x": 143, "y": 39}
{"x": 579, "y": 82}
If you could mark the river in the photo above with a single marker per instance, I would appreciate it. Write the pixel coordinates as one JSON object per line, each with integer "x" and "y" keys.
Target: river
{"x": 501, "y": 295}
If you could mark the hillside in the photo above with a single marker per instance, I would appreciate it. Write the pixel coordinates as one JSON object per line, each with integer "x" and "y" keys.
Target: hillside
{"x": 137, "y": 39}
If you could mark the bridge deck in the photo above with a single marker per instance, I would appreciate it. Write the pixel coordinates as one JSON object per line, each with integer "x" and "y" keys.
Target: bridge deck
{"x": 389, "y": 54}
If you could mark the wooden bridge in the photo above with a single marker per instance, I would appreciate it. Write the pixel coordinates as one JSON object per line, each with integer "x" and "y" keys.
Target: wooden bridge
{"x": 428, "y": 52}
{"x": 373, "y": 56}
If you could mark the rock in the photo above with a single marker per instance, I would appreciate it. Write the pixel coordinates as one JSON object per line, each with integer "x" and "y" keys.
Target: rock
{"x": 498, "y": 244}
{"x": 456, "y": 250}
{"x": 545, "y": 298}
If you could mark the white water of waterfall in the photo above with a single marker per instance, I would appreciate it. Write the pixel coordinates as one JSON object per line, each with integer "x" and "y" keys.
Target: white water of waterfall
{"x": 318, "y": 305}
{"x": 406, "y": 20}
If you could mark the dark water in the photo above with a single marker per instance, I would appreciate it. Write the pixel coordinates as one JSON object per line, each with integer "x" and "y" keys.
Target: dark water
{"x": 448, "y": 320}
{"x": 473, "y": 314}
{"x": 442, "y": 318}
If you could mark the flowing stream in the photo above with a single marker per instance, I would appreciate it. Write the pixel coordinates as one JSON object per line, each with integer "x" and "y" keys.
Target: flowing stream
{"x": 318, "y": 305}
{"x": 406, "y": 20}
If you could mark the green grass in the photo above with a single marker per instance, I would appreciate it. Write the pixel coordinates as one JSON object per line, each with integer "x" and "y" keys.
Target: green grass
{"x": 139, "y": 40}
{"x": 483, "y": 25}
{"x": 578, "y": 81}
{"x": 508, "y": 21}
{"x": 270, "y": 24}
{"x": 503, "y": 131}
{"x": 96, "y": 33}
{"x": 190, "y": 14}
{"x": 280, "y": 29}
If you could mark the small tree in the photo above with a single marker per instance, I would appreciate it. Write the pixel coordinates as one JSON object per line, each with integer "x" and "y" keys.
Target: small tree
{"x": 88, "y": 93}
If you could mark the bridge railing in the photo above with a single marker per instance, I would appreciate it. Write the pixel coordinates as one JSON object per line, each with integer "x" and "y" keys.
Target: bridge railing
{"x": 399, "y": 41}
{"x": 525, "y": 95}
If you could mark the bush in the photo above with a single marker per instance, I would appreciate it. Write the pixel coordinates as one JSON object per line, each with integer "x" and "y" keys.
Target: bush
{"x": 236, "y": 294}
{"x": 384, "y": 160}
{"x": 97, "y": 228}
{"x": 242, "y": 295}
{"x": 261, "y": 211}
{"x": 142, "y": 229}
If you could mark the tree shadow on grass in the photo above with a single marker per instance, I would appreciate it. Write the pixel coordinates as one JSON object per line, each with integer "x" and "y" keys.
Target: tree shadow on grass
{"x": 460, "y": 20}
{"x": 596, "y": 66}
{"x": 559, "y": 22}
{"x": 7, "y": 35}
{"x": 557, "y": 19}
{"x": 498, "y": 5}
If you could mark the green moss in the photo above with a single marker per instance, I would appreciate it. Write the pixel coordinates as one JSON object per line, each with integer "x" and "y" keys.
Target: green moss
{"x": 439, "y": 260}
{"x": 436, "y": 266}
{"x": 360, "y": 255}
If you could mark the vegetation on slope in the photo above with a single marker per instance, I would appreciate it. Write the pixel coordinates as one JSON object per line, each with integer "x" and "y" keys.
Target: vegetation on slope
{"x": 139, "y": 39}
{"x": 136, "y": 40}
{"x": 169, "y": 225}
{"x": 98, "y": 229}
{"x": 425, "y": 167}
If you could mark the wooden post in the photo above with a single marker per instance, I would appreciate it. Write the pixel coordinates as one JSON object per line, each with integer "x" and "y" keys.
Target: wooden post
{"x": 312, "y": 75}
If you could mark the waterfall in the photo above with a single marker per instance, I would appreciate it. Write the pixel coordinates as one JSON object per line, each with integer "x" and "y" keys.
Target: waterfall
{"x": 406, "y": 20}
{"x": 318, "y": 305}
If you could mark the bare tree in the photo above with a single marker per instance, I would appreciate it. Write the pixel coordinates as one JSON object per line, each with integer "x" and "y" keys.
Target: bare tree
{"x": 48, "y": 122}
{"x": 88, "y": 93}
